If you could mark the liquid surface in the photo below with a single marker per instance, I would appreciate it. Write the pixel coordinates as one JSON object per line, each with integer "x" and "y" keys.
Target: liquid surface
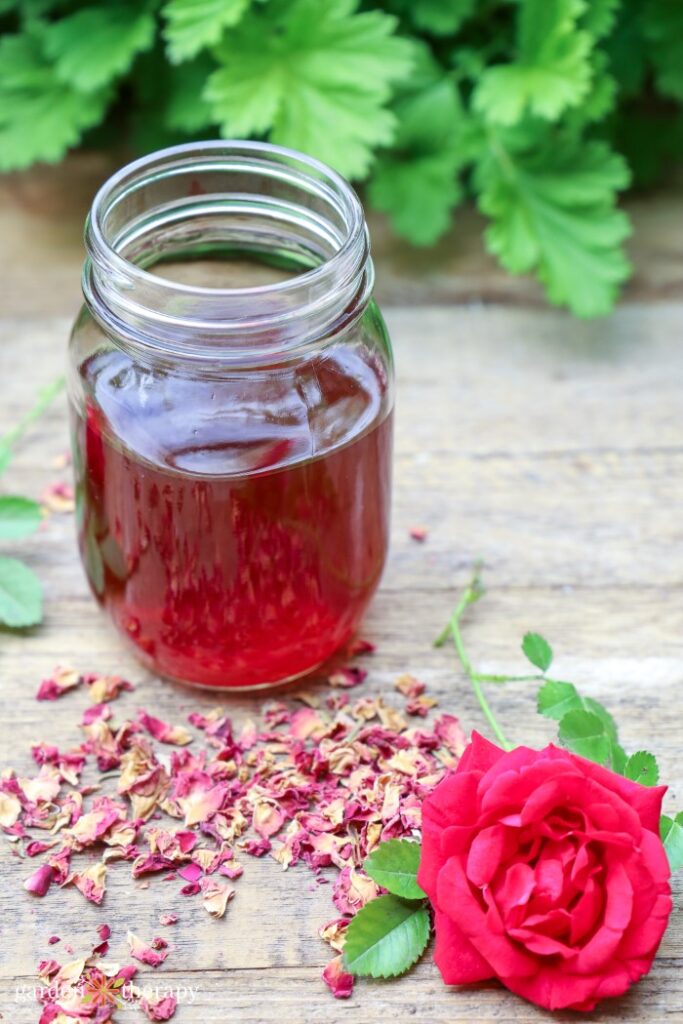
{"x": 235, "y": 530}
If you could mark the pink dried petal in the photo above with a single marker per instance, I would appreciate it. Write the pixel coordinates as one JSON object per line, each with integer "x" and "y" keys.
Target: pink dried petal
{"x": 150, "y": 864}
{"x": 105, "y": 688}
{"x": 162, "y": 731}
{"x": 257, "y": 848}
{"x": 168, "y": 919}
{"x": 98, "y": 712}
{"x": 10, "y": 809}
{"x": 359, "y": 646}
{"x": 61, "y": 680}
{"x": 216, "y": 896}
{"x": 104, "y": 932}
{"x": 91, "y": 882}
{"x": 40, "y": 881}
{"x": 161, "y": 1010}
{"x": 409, "y": 686}
{"x": 191, "y": 889}
{"x": 420, "y": 706}
{"x": 191, "y": 872}
{"x": 451, "y": 734}
{"x": 144, "y": 952}
{"x": 347, "y": 677}
{"x": 267, "y": 818}
{"x": 199, "y": 800}
{"x": 418, "y": 533}
{"x": 59, "y": 497}
{"x": 53, "y": 940}
{"x": 339, "y": 982}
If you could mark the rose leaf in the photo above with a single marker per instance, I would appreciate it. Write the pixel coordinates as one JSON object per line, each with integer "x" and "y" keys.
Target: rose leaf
{"x": 584, "y": 733}
{"x": 538, "y": 651}
{"x": 393, "y": 865}
{"x": 671, "y": 830}
{"x": 642, "y": 767}
{"x": 386, "y": 937}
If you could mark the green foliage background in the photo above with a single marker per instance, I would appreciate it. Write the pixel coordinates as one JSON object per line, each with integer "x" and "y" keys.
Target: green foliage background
{"x": 541, "y": 110}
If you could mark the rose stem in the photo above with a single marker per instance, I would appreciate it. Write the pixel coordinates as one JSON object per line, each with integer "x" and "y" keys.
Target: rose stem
{"x": 472, "y": 593}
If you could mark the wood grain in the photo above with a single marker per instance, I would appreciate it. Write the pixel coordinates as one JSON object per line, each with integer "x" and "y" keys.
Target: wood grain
{"x": 550, "y": 449}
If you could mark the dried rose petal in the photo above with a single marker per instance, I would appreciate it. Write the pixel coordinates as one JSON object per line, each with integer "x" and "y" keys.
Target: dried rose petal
{"x": 61, "y": 681}
{"x": 418, "y": 533}
{"x": 105, "y": 688}
{"x": 59, "y": 497}
{"x": 216, "y": 896}
{"x": 339, "y": 982}
{"x": 359, "y": 646}
{"x": 144, "y": 952}
{"x": 162, "y": 1009}
{"x": 347, "y": 677}
{"x": 168, "y": 919}
{"x": 162, "y": 731}
{"x": 40, "y": 881}
{"x": 409, "y": 686}
{"x": 10, "y": 809}
{"x": 53, "y": 940}
{"x": 91, "y": 882}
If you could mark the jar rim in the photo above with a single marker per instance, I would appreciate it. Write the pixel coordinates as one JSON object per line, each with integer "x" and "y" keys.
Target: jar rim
{"x": 297, "y": 204}
{"x": 100, "y": 247}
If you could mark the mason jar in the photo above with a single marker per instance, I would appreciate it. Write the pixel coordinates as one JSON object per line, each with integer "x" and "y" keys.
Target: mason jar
{"x": 231, "y": 390}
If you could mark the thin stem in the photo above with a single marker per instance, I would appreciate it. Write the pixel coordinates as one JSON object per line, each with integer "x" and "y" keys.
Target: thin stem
{"x": 483, "y": 677}
{"x": 45, "y": 397}
{"x": 473, "y": 592}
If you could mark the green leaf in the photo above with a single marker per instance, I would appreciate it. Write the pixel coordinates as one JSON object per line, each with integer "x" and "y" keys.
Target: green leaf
{"x": 315, "y": 76}
{"x": 671, "y": 830}
{"x": 185, "y": 110}
{"x": 40, "y": 116}
{"x": 416, "y": 182}
{"x": 196, "y": 24}
{"x": 553, "y": 211}
{"x": 93, "y": 46}
{"x": 663, "y": 28}
{"x": 584, "y": 734}
{"x": 386, "y": 937}
{"x": 19, "y": 517}
{"x": 556, "y": 698}
{"x": 5, "y": 456}
{"x": 393, "y": 865}
{"x": 600, "y": 16}
{"x": 642, "y": 767}
{"x": 538, "y": 651}
{"x": 552, "y": 70}
{"x": 21, "y": 601}
{"x": 440, "y": 17}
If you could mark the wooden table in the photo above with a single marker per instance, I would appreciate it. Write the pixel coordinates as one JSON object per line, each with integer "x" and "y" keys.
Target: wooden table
{"x": 549, "y": 448}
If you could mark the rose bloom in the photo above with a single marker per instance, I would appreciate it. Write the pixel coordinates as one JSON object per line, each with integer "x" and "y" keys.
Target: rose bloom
{"x": 545, "y": 871}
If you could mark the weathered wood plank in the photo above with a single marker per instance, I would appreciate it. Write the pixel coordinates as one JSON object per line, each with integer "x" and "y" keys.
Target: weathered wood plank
{"x": 551, "y": 450}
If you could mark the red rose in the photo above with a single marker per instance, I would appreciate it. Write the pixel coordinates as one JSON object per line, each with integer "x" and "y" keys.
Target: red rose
{"x": 545, "y": 871}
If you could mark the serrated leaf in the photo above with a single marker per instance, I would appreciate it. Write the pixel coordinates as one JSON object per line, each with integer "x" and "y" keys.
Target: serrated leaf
{"x": 440, "y": 17}
{"x": 40, "y": 116}
{"x": 553, "y": 211}
{"x": 19, "y": 517}
{"x": 21, "y": 598}
{"x": 393, "y": 865}
{"x": 386, "y": 937}
{"x": 538, "y": 651}
{"x": 599, "y": 17}
{"x": 93, "y": 46}
{"x": 185, "y": 110}
{"x": 671, "y": 831}
{"x": 556, "y": 698}
{"x": 552, "y": 68}
{"x": 663, "y": 27}
{"x": 315, "y": 77}
{"x": 416, "y": 182}
{"x": 584, "y": 734}
{"x": 642, "y": 767}
{"x": 193, "y": 25}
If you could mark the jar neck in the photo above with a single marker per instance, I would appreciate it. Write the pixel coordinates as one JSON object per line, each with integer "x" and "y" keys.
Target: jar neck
{"x": 260, "y": 201}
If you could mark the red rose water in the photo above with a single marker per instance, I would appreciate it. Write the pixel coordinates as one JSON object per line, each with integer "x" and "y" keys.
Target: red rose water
{"x": 235, "y": 530}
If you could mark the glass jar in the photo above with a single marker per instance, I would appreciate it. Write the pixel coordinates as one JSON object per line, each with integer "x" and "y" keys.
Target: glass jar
{"x": 231, "y": 392}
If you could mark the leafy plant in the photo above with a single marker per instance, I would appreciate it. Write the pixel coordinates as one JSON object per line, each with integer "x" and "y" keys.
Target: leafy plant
{"x": 542, "y": 111}
{"x": 21, "y": 596}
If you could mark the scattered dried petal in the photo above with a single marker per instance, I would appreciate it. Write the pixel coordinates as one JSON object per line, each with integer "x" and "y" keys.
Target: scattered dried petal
{"x": 162, "y": 731}
{"x": 347, "y": 677}
{"x": 339, "y": 982}
{"x": 162, "y": 1009}
{"x": 418, "y": 533}
{"x": 145, "y": 952}
{"x": 60, "y": 682}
